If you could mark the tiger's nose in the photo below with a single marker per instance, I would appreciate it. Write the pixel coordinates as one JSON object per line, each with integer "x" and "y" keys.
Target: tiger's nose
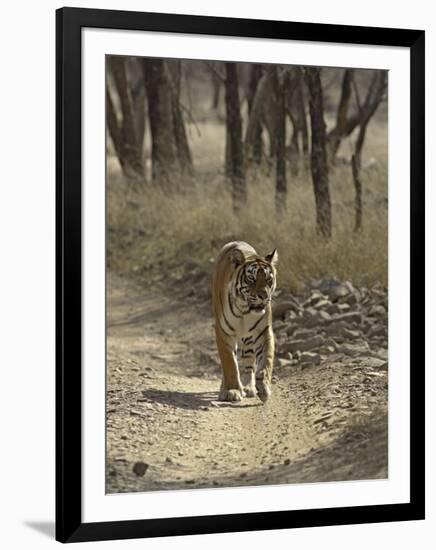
{"x": 262, "y": 294}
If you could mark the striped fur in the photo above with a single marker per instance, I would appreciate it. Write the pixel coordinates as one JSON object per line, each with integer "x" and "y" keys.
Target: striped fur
{"x": 242, "y": 286}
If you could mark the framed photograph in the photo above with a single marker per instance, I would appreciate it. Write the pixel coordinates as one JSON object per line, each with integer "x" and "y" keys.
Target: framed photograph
{"x": 240, "y": 275}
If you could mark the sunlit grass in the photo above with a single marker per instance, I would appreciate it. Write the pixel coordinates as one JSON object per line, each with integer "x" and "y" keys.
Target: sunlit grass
{"x": 149, "y": 230}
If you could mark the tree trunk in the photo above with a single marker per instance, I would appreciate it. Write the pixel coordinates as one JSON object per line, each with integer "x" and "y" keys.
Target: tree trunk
{"x": 258, "y": 102}
{"x": 372, "y": 100}
{"x": 337, "y": 133}
{"x": 138, "y": 99}
{"x": 319, "y": 166}
{"x": 281, "y": 184}
{"x": 164, "y": 154}
{"x": 234, "y": 150}
{"x": 302, "y": 115}
{"x": 128, "y": 146}
{"x": 256, "y": 146}
{"x": 183, "y": 150}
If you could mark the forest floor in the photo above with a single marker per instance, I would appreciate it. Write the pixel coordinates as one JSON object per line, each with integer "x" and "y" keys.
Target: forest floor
{"x": 326, "y": 419}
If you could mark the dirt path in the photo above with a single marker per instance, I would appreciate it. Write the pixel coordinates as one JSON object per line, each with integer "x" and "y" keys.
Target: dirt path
{"x": 326, "y": 422}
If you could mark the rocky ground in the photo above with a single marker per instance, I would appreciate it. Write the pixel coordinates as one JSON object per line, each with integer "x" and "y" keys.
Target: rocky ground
{"x": 326, "y": 420}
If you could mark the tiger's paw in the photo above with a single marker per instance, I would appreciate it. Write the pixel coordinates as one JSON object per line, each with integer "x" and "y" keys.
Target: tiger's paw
{"x": 231, "y": 395}
{"x": 263, "y": 390}
{"x": 250, "y": 391}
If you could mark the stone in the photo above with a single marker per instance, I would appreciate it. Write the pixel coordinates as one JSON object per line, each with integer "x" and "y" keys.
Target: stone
{"x": 301, "y": 333}
{"x": 324, "y": 316}
{"x": 310, "y": 357}
{"x": 309, "y": 312}
{"x": 350, "y": 334}
{"x": 319, "y": 318}
{"x": 332, "y": 309}
{"x": 353, "y": 318}
{"x": 322, "y": 304}
{"x": 314, "y": 299}
{"x": 353, "y": 350}
{"x": 338, "y": 291}
{"x": 335, "y": 328}
{"x": 303, "y": 345}
{"x": 376, "y": 331}
{"x": 377, "y": 311}
{"x": 351, "y": 299}
{"x": 281, "y": 308}
{"x": 326, "y": 350}
{"x": 139, "y": 468}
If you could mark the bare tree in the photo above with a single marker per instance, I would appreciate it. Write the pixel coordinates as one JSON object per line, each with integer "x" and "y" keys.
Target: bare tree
{"x": 256, "y": 113}
{"x": 281, "y": 81}
{"x": 170, "y": 154}
{"x": 336, "y": 135}
{"x": 319, "y": 165}
{"x": 295, "y": 109}
{"x": 123, "y": 131}
{"x": 136, "y": 78}
{"x": 183, "y": 150}
{"x": 256, "y": 145}
{"x": 234, "y": 149}
{"x": 356, "y": 159}
{"x": 347, "y": 123}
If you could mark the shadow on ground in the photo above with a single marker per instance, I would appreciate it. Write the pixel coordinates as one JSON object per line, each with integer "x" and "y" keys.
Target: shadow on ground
{"x": 192, "y": 400}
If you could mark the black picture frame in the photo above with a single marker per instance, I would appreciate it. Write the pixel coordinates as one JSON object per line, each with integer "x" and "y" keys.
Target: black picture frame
{"x": 69, "y": 525}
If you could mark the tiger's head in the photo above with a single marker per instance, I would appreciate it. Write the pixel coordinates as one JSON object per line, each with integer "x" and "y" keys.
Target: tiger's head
{"x": 255, "y": 281}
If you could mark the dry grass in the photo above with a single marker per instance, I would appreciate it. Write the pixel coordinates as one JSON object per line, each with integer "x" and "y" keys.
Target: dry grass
{"x": 149, "y": 231}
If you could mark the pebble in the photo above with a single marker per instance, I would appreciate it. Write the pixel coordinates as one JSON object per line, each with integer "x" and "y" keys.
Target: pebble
{"x": 139, "y": 468}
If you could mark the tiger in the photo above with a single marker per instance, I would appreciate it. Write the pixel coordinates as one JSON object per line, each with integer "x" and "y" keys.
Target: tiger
{"x": 243, "y": 284}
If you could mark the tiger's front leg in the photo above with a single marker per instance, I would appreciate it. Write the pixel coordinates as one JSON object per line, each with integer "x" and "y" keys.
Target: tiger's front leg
{"x": 231, "y": 386}
{"x": 248, "y": 367}
{"x": 264, "y": 351}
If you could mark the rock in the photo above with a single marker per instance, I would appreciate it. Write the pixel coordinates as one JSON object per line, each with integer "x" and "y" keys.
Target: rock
{"x": 169, "y": 460}
{"x": 285, "y": 362}
{"x": 383, "y": 354}
{"x": 322, "y": 304}
{"x": 332, "y": 309}
{"x": 335, "y": 328}
{"x": 323, "y": 417}
{"x": 339, "y": 291}
{"x": 139, "y": 468}
{"x": 343, "y": 308}
{"x": 325, "y": 285}
{"x": 303, "y": 345}
{"x": 351, "y": 299}
{"x": 281, "y": 308}
{"x": 310, "y": 357}
{"x": 314, "y": 299}
{"x": 326, "y": 350}
{"x": 352, "y": 318}
{"x": 319, "y": 318}
{"x": 301, "y": 333}
{"x": 377, "y": 311}
{"x": 324, "y": 316}
{"x": 287, "y": 461}
{"x": 350, "y": 334}
{"x": 353, "y": 350}
{"x": 279, "y": 325}
{"x": 376, "y": 330}
{"x": 309, "y": 312}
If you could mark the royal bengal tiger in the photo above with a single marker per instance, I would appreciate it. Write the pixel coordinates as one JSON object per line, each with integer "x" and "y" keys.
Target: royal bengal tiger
{"x": 242, "y": 287}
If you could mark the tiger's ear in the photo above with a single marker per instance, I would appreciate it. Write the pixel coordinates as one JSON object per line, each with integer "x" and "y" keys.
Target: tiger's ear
{"x": 236, "y": 257}
{"x": 273, "y": 257}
